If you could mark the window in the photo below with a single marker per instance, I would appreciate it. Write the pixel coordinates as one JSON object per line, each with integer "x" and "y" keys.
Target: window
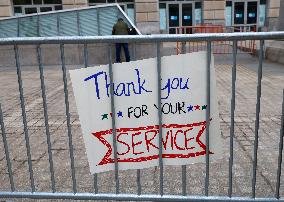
{"x": 45, "y": 9}
{"x": 92, "y": 2}
{"x": 30, "y": 10}
{"x": 228, "y": 13}
{"x": 246, "y": 12}
{"x": 126, "y": 5}
{"x": 163, "y": 16}
{"x": 22, "y": 7}
{"x": 175, "y": 14}
{"x": 51, "y": 1}
{"x": 18, "y": 10}
{"x": 22, "y": 2}
{"x": 262, "y": 12}
{"x": 198, "y": 13}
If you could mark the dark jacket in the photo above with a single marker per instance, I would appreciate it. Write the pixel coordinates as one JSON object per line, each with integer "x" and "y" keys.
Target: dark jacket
{"x": 120, "y": 28}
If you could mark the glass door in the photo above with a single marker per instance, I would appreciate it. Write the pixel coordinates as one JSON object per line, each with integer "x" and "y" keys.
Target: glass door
{"x": 239, "y": 14}
{"x": 173, "y": 17}
{"x": 252, "y": 12}
{"x": 245, "y": 15}
{"x": 186, "y": 17}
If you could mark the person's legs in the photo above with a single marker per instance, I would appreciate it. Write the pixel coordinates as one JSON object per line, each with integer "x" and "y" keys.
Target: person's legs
{"x": 117, "y": 50}
{"x": 126, "y": 51}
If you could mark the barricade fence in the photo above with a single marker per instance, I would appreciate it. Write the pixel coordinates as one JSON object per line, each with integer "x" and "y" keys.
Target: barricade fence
{"x": 44, "y": 125}
{"x": 220, "y": 46}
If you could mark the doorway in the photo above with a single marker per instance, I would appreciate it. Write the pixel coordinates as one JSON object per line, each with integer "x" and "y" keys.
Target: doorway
{"x": 245, "y": 13}
{"x": 179, "y": 15}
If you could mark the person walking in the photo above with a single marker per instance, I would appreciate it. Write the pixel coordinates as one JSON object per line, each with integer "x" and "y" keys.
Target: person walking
{"x": 121, "y": 28}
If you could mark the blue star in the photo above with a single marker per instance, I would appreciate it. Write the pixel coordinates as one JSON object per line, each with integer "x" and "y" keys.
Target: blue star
{"x": 189, "y": 108}
{"x": 119, "y": 114}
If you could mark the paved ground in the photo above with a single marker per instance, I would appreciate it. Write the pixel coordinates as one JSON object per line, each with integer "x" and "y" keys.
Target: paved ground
{"x": 272, "y": 85}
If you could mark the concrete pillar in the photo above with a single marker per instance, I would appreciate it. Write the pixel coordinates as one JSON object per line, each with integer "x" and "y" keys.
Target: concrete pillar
{"x": 69, "y": 4}
{"x": 147, "y": 16}
{"x": 5, "y": 8}
{"x": 214, "y": 11}
{"x": 281, "y": 17}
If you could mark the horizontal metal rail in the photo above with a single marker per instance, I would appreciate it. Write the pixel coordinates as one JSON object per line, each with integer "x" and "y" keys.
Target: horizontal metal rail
{"x": 128, "y": 197}
{"x": 143, "y": 38}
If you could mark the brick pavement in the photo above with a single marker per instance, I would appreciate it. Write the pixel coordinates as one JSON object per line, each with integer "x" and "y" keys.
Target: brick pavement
{"x": 273, "y": 83}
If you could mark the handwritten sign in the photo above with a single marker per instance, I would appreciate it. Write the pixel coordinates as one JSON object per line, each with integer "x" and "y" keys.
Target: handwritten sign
{"x": 183, "y": 108}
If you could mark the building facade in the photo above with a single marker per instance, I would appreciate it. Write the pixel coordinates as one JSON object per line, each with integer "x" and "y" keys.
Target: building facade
{"x": 165, "y": 16}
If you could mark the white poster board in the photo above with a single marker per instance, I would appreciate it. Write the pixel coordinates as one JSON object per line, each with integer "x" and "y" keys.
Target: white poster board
{"x": 183, "y": 103}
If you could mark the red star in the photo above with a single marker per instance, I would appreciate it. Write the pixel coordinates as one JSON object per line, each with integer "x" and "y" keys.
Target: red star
{"x": 197, "y": 107}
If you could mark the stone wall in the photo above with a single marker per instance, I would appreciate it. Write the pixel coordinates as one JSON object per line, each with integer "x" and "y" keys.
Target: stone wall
{"x": 273, "y": 14}
{"x": 69, "y": 4}
{"x": 214, "y": 11}
{"x": 5, "y": 8}
{"x": 147, "y": 16}
{"x": 281, "y": 17}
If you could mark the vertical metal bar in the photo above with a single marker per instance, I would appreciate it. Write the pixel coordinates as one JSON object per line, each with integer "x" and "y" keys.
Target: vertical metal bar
{"x": 232, "y": 129}
{"x": 37, "y": 29}
{"x": 183, "y": 167}
{"x": 18, "y": 27}
{"x": 280, "y": 152}
{"x": 85, "y": 55}
{"x": 58, "y": 24}
{"x": 257, "y": 117}
{"x": 96, "y": 183}
{"x": 6, "y": 149}
{"x": 177, "y": 47}
{"x": 138, "y": 173}
{"x": 2, "y": 31}
{"x": 113, "y": 119}
{"x": 43, "y": 94}
{"x": 133, "y": 51}
{"x": 86, "y": 65}
{"x": 78, "y": 22}
{"x": 98, "y": 21}
{"x": 27, "y": 140}
{"x": 74, "y": 185}
{"x": 183, "y": 47}
{"x": 138, "y": 182}
{"x": 159, "y": 75}
{"x": 207, "y": 115}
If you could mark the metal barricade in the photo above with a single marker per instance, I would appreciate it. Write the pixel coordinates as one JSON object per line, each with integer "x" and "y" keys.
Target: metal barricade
{"x": 220, "y": 46}
{"x": 94, "y": 192}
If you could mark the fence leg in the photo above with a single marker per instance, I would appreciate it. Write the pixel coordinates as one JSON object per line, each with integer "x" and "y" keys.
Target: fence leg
{"x": 43, "y": 95}
{"x": 232, "y": 128}
{"x": 6, "y": 149}
{"x": 27, "y": 139}
{"x": 207, "y": 115}
{"x": 280, "y": 152}
{"x": 159, "y": 71}
{"x": 257, "y": 117}
{"x": 70, "y": 142}
{"x": 113, "y": 120}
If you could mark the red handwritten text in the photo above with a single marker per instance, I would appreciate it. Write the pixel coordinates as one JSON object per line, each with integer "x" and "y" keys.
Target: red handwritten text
{"x": 137, "y": 144}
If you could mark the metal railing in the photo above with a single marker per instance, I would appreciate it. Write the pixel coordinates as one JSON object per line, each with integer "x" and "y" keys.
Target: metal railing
{"x": 220, "y": 46}
{"x": 157, "y": 39}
